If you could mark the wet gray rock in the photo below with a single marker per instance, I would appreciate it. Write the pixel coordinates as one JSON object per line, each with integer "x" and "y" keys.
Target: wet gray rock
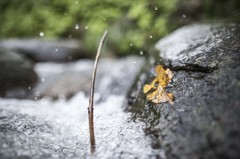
{"x": 203, "y": 122}
{"x": 58, "y": 80}
{"x": 15, "y": 71}
{"x": 62, "y": 80}
{"x": 47, "y": 50}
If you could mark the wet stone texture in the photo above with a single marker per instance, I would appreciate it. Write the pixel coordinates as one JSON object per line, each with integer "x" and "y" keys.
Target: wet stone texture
{"x": 204, "y": 120}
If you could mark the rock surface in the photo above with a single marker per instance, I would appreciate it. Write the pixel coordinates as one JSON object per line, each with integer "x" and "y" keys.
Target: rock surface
{"x": 203, "y": 122}
{"x": 66, "y": 80}
{"x": 15, "y": 71}
{"x": 47, "y": 50}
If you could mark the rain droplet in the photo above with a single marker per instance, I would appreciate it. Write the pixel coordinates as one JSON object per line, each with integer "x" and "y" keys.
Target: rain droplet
{"x": 141, "y": 52}
{"x": 42, "y": 79}
{"x": 150, "y": 36}
{"x": 131, "y": 44}
{"x": 29, "y": 88}
{"x": 184, "y": 16}
{"x": 35, "y": 98}
{"x": 76, "y": 2}
{"x": 56, "y": 49}
{"x": 76, "y": 26}
{"x": 41, "y": 34}
{"x": 134, "y": 62}
{"x": 86, "y": 27}
{"x": 155, "y": 8}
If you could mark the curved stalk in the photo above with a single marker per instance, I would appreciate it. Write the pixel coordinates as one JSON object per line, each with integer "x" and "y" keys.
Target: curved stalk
{"x": 91, "y": 100}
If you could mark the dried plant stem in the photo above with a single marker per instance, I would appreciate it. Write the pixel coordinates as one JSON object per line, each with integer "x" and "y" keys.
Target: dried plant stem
{"x": 91, "y": 100}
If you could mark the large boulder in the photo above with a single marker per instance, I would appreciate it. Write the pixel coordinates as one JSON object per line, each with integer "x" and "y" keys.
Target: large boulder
{"x": 203, "y": 122}
{"x": 64, "y": 80}
{"x": 47, "y": 50}
{"x": 15, "y": 71}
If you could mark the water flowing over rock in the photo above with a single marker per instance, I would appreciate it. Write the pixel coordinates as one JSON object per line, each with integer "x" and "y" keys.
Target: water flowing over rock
{"x": 59, "y": 129}
{"x": 203, "y": 122}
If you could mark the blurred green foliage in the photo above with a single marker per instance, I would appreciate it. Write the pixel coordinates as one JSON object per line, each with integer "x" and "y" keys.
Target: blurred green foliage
{"x": 133, "y": 25}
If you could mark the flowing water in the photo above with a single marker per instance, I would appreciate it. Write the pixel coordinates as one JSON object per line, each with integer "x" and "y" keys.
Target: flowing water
{"x": 59, "y": 129}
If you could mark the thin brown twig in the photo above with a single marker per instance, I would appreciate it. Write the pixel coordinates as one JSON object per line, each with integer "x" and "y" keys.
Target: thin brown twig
{"x": 91, "y": 108}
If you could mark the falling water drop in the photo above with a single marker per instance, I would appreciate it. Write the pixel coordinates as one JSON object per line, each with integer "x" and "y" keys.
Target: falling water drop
{"x": 184, "y": 16}
{"x": 86, "y": 27}
{"x": 141, "y": 52}
{"x": 155, "y": 8}
{"x": 150, "y": 36}
{"x": 76, "y": 26}
{"x": 41, "y": 34}
{"x": 131, "y": 44}
{"x": 56, "y": 49}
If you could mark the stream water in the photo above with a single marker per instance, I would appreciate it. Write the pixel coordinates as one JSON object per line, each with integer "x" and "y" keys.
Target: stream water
{"x": 59, "y": 129}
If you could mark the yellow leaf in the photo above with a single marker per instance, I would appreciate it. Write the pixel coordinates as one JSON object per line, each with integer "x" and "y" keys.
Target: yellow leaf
{"x": 147, "y": 88}
{"x": 169, "y": 73}
{"x": 159, "y": 95}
